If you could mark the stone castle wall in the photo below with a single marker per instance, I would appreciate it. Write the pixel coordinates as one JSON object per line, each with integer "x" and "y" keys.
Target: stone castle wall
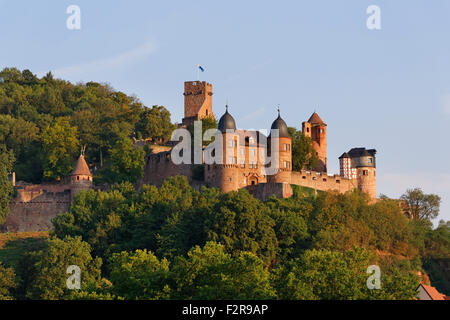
{"x": 35, "y": 206}
{"x": 263, "y": 191}
{"x": 159, "y": 167}
{"x": 322, "y": 181}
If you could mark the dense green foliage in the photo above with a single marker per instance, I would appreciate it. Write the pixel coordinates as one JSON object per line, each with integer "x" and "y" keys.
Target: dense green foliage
{"x": 177, "y": 242}
{"x": 303, "y": 154}
{"x": 7, "y": 282}
{"x": 44, "y": 272}
{"x": 45, "y": 122}
{"x": 155, "y": 123}
{"x": 421, "y": 206}
{"x": 6, "y": 189}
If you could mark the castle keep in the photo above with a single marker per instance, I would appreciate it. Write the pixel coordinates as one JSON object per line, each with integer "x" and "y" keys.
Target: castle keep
{"x": 197, "y": 101}
{"x": 243, "y": 164}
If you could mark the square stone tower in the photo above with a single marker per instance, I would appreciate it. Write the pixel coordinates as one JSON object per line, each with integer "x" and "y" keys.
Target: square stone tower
{"x": 316, "y": 129}
{"x": 197, "y": 101}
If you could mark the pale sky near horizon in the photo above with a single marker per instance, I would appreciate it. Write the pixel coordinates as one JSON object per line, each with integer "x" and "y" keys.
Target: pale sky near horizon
{"x": 386, "y": 89}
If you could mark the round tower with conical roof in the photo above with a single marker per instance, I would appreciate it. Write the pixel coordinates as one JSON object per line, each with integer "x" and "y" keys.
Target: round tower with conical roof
{"x": 284, "y": 151}
{"x": 227, "y": 175}
{"x": 81, "y": 177}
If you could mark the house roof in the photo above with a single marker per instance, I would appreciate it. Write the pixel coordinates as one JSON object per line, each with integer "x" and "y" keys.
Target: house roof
{"x": 344, "y": 155}
{"x": 81, "y": 167}
{"x": 361, "y": 152}
{"x": 432, "y": 292}
{"x": 315, "y": 119}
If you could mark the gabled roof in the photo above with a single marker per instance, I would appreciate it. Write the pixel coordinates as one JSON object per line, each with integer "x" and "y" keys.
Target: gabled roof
{"x": 315, "y": 119}
{"x": 344, "y": 155}
{"x": 432, "y": 292}
{"x": 81, "y": 167}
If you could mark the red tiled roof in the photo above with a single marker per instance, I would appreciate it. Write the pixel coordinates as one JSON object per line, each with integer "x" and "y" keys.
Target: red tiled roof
{"x": 433, "y": 293}
{"x": 315, "y": 119}
{"x": 81, "y": 167}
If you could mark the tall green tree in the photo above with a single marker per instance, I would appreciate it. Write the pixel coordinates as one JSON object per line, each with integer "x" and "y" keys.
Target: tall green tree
{"x": 126, "y": 162}
{"x": 242, "y": 223}
{"x": 421, "y": 206}
{"x": 331, "y": 275}
{"x": 155, "y": 123}
{"x": 139, "y": 275}
{"x": 6, "y": 188}
{"x": 47, "y": 269}
{"x": 60, "y": 147}
{"x": 303, "y": 154}
{"x": 7, "y": 282}
{"x": 211, "y": 273}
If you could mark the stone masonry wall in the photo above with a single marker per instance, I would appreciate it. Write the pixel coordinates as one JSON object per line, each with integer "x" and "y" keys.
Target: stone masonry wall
{"x": 263, "y": 191}
{"x": 35, "y": 207}
{"x": 322, "y": 181}
{"x": 159, "y": 167}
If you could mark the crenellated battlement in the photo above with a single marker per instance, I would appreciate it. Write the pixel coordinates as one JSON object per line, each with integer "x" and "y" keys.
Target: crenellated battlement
{"x": 322, "y": 181}
{"x": 197, "y": 101}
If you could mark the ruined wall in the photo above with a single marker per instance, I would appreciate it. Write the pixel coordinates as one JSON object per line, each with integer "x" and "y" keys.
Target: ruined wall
{"x": 263, "y": 191}
{"x": 322, "y": 181}
{"x": 159, "y": 167}
{"x": 35, "y": 206}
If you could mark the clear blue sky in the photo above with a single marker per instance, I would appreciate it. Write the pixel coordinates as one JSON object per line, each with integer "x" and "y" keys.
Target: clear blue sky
{"x": 387, "y": 89}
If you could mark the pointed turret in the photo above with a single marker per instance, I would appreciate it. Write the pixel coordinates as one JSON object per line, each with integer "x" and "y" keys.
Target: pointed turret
{"x": 315, "y": 119}
{"x": 81, "y": 177}
{"x": 81, "y": 168}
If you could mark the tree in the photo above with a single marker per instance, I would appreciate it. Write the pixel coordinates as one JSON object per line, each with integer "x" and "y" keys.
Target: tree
{"x": 207, "y": 123}
{"x": 29, "y": 106}
{"x": 329, "y": 275}
{"x": 421, "y": 206}
{"x": 242, "y": 223}
{"x": 6, "y": 188}
{"x": 303, "y": 153}
{"x": 155, "y": 123}
{"x": 139, "y": 275}
{"x": 96, "y": 216}
{"x": 7, "y": 282}
{"x": 60, "y": 147}
{"x": 47, "y": 268}
{"x": 210, "y": 273}
{"x": 126, "y": 162}
{"x": 290, "y": 226}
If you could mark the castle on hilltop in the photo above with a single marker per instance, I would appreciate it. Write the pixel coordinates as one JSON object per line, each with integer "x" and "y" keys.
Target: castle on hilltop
{"x": 245, "y": 167}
